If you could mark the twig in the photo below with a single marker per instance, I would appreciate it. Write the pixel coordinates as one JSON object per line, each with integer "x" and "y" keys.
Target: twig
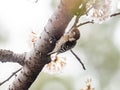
{"x": 87, "y": 22}
{"x": 14, "y": 73}
{"x": 78, "y": 59}
{"x": 115, "y": 14}
{"x": 75, "y": 23}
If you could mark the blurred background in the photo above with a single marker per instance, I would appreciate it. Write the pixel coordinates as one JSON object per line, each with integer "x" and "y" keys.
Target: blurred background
{"x": 98, "y": 47}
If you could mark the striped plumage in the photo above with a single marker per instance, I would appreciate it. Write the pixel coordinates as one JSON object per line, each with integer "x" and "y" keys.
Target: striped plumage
{"x": 67, "y": 41}
{"x": 67, "y": 46}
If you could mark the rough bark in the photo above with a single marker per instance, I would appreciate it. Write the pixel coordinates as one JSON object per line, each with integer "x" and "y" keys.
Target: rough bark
{"x": 37, "y": 58}
{"x": 10, "y": 56}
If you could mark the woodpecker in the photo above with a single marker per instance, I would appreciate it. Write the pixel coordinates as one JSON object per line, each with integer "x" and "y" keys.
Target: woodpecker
{"x": 67, "y": 41}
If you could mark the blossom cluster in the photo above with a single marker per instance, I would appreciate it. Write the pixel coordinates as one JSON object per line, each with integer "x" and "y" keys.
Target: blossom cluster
{"x": 99, "y": 10}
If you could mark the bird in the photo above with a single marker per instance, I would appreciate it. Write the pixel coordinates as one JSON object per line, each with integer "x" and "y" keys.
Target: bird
{"x": 67, "y": 41}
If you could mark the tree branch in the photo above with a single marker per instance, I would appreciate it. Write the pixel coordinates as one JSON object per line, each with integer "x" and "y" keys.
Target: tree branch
{"x": 115, "y": 14}
{"x": 78, "y": 59}
{"x": 92, "y": 22}
{"x": 14, "y": 73}
{"x": 37, "y": 58}
{"x": 87, "y": 22}
{"x": 9, "y": 56}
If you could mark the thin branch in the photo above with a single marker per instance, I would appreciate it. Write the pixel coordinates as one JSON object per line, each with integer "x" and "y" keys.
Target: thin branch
{"x": 10, "y": 56}
{"x": 14, "y": 73}
{"x": 79, "y": 13}
{"x": 78, "y": 59}
{"x": 87, "y": 22}
{"x": 115, "y": 14}
{"x": 76, "y": 21}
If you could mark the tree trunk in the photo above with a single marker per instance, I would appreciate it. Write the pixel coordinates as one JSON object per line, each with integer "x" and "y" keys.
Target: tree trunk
{"x": 37, "y": 58}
